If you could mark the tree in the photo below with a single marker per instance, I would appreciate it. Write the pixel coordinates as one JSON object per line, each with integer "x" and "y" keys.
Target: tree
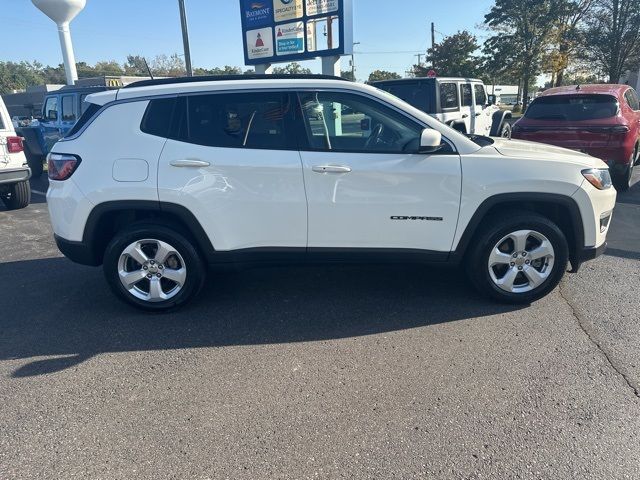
{"x": 110, "y": 68}
{"x": 18, "y": 76}
{"x": 168, "y": 66}
{"x": 347, "y": 74}
{"x": 293, "y": 68}
{"x": 522, "y": 29}
{"x": 377, "y": 75}
{"x": 136, "y": 66}
{"x": 454, "y": 56}
{"x": 613, "y": 36}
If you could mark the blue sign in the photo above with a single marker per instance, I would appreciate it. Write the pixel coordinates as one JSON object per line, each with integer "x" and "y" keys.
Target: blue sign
{"x": 257, "y": 13}
{"x": 293, "y": 30}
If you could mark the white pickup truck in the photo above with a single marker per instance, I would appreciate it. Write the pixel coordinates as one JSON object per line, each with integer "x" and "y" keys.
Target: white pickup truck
{"x": 15, "y": 191}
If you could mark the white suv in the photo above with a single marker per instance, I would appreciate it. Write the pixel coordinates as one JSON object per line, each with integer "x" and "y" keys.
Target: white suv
{"x": 15, "y": 191}
{"x": 162, "y": 177}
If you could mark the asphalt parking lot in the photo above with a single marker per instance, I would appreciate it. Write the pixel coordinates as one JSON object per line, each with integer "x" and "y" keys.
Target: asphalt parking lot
{"x": 317, "y": 372}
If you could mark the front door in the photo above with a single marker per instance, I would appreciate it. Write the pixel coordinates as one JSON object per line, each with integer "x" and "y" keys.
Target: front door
{"x": 467, "y": 108}
{"x": 232, "y": 159}
{"x": 367, "y": 187}
{"x": 50, "y": 123}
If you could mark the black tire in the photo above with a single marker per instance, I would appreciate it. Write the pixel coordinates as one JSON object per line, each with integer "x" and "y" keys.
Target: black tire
{"x": 18, "y": 195}
{"x": 35, "y": 162}
{"x": 195, "y": 266}
{"x": 497, "y": 227}
{"x": 505, "y": 131}
{"x": 622, "y": 181}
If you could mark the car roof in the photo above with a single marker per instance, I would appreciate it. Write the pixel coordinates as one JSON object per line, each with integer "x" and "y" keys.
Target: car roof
{"x": 596, "y": 88}
{"x": 427, "y": 79}
{"x": 226, "y": 78}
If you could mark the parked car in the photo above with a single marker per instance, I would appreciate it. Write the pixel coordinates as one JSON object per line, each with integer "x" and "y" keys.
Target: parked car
{"x": 15, "y": 191}
{"x": 461, "y": 103}
{"x": 61, "y": 109}
{"x": 601, "y": 120}
{"x": 160, "y": 178}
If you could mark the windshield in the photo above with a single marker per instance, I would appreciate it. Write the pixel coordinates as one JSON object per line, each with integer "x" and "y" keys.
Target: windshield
{"x": 572, "y": 107}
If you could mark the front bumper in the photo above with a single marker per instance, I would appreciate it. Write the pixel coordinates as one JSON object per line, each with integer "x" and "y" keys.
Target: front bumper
{"x": 15, "y": 175}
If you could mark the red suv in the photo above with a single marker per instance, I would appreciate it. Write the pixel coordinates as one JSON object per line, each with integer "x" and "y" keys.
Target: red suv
{"x": 601, "y": 120}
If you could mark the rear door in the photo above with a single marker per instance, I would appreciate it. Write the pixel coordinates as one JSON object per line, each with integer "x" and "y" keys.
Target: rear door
{"x": 232, "y": 159}
{"x": 482, "y": 113}
{"x": 367, "y": 186}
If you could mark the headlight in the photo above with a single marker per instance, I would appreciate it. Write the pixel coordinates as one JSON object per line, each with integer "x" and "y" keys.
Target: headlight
{"x": 598, "y": 177}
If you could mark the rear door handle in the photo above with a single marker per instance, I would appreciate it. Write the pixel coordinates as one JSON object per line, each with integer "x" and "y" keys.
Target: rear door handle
{"x": 331, "y": 169}
{"x": 478, "y": 114}
{"x": 190, "y": 163}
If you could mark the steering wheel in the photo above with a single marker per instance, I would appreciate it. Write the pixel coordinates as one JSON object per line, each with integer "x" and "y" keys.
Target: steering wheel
{"x": 377, "y": 132}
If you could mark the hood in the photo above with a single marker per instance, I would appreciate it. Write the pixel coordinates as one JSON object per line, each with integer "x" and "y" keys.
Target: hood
{"x": 542, "y": 151}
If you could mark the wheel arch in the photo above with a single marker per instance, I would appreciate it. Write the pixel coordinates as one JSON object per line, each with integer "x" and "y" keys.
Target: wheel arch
{"x": 106, "y": 219}
{"x": 560, "y": 209}
{"x": 497, "y": 120}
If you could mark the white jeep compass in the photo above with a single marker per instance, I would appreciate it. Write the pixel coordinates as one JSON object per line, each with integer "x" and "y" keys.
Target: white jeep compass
{"x": 160, "y": 178}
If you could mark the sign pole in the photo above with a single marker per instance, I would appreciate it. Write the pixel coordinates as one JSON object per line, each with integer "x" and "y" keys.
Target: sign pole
{"x": 264, "y": 69}
{"x": 185, "y": 38}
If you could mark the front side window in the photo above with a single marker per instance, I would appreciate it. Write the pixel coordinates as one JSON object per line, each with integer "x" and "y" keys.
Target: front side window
{"x": 465, "y": 94}
{"x": 346, "y": 122}
{"x": 448, "y": 96}
{"x": 51, "y": 108}
{"x": 240, "y": 120}
{"x": 481, "y": 96}
{"x": 68, "y": 110}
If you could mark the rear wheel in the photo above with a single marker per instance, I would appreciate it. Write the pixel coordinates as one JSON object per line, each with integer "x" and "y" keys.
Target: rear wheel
{"x": 622, "y": 181}
{"x": 518, "y": 258}
{"x": 17, "y": 195}
{"x": 153, "y": 267}
{"x": 505, "y": 131}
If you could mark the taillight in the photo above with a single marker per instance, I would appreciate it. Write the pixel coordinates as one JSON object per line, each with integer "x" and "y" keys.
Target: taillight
{"x": 61, "y": 165}
{"x": 14, "y": 144}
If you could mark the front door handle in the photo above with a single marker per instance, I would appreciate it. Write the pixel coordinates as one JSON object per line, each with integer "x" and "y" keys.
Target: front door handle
{"x": 331, "y": 169}
{"x": 190, "y": 163}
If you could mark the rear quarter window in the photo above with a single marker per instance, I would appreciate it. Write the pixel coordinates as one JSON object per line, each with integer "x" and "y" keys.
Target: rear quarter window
{"x": 572, "y": 107}
{"x": 157, "y": 117}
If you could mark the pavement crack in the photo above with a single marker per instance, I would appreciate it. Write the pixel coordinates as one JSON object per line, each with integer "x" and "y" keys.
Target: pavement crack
{"x": 591, "y": 335}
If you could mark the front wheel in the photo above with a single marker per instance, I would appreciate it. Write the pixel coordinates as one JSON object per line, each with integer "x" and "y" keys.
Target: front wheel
{"x": 518, "y": 258}
{"x": 505, "y": 131}
{"x": 153, "y": 267}
{"x": 17, "y": 195}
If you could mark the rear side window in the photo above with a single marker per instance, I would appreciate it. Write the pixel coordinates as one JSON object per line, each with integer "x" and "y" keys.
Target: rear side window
{"x": 412, "y": 93}
{"x": 448, "y": 96}
{"x": 90, "y": 110}
{"x": 481, "y": 96}
{"x": 51, "y": 109}
{"x": 465, "y": 94}
{"x": 632, "y": 99}
{"x": 241, "y": 120}
{"x": 157, "y": 117}
{"x": 572, "y": 107}
{"x": 68, "y": 108}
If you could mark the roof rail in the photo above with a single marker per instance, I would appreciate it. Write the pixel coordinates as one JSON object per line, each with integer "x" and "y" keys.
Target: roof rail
{"x": 220, "y": 78}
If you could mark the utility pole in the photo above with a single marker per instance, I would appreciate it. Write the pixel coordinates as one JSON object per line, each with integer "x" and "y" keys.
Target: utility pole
{"x": 185, "y": 38}
{"x": 433, "y": 35}
{"x": 419, "y": 55}
{"x": 353, "y": 62}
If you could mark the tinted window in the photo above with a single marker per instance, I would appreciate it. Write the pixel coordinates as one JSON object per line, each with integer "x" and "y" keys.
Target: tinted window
{"x": 412, "y": 93}
{"x": 157, "y": 117}
{"x": 241, "y": 120}
{"x": 68, "y": 110}
{"x": 353, "y": 123}
{"x": 448, "y": 95}
{"x": 572, "y": 107}
{"x": 465, "y": 94}
{"x": 51, "y": 109}
{"x": 83, "y": 104}
{"x": 632, "y": 99}
{"x": 481, "y": 96}
{"x": 89, "y": 112}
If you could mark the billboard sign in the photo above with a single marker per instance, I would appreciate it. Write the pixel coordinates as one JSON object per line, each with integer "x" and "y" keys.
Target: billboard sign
{"x": 293, "y": 30}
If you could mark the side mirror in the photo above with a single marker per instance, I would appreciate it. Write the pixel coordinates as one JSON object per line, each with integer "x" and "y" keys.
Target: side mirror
{"x": 430, "y": 141}
{"x": 492, "y": 100}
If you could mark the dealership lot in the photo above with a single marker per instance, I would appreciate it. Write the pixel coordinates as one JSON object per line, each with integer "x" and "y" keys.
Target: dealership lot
{"x": 317, "y": 372}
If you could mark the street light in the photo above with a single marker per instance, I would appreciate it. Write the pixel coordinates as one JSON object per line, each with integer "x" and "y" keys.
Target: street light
{"x": 353, "y": 62}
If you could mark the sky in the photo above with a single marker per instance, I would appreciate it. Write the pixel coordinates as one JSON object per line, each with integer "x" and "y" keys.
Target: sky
{"x": 390, "y": 32}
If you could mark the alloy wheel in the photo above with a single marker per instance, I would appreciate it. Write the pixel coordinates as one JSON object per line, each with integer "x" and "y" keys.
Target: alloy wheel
{"x": 521, "y": 261}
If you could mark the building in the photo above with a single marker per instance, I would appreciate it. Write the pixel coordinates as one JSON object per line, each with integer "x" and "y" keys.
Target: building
{"x": 505, "y": 94}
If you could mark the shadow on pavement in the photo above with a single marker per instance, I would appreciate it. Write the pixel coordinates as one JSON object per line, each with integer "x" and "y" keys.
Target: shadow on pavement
{"x": 56, "y": 308}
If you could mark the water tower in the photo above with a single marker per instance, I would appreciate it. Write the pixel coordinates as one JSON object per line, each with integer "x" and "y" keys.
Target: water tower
{"x": 62, "y": 12}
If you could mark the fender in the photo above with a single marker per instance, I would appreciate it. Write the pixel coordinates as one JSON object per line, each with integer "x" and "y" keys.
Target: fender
{"x": 515, "y": 198}
{"x": 497, "y": 120}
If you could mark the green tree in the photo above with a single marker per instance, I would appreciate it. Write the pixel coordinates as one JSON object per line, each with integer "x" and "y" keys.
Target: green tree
{"x": 135, "y": 66}
{"x": 613, "y": 35}
{"x": 168, "y": 66}
{"x": 454, "y": 56}
{"x": 521, "y": 35}
{"x": 377, "y": 75}
{"x": 293, "y": 68}
{"x": 110, "y": 68}
{"x": 348, "y": 74}
{"x": 18, "y": 76}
